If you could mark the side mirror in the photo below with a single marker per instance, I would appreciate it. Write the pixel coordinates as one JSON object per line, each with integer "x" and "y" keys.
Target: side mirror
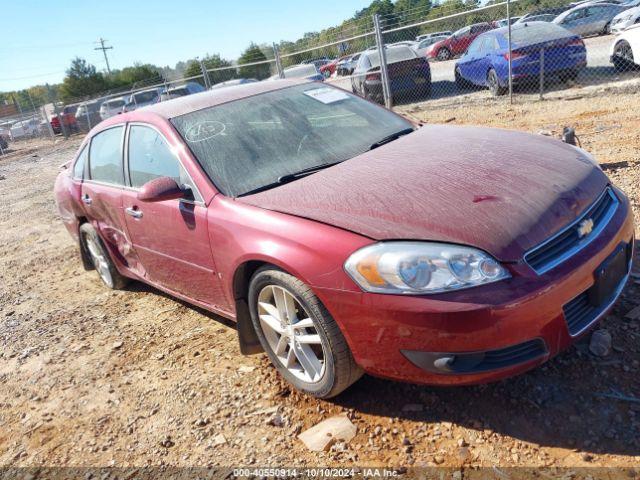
{"x": 160, "y": 189}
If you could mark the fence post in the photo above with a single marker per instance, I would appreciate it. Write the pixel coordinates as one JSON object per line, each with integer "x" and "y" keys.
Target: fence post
{"x": 541, "y": 73}
{"x": 86, "y": 112}
{"x": 509, "y": 42}
{"x": 386, "y": 90}
{"x": 276, "y": 54}
{"x": 205, "y": 74}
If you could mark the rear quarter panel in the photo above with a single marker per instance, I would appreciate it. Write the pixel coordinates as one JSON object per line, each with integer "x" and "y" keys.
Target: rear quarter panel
{"x": 67, "y": 193}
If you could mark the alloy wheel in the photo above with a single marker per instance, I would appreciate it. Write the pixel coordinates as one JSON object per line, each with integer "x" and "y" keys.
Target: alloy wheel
{"x": 100, "y": 260}
{"x": 291, "y": 333}
{"x": 624, "y": 52}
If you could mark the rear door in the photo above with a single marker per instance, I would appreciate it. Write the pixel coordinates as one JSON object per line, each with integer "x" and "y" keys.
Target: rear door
{"x": 170, "y": 237}
{"x": 102, "y": 189}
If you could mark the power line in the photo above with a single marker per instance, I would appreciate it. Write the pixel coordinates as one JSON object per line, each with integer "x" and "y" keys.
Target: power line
{"x": 104, "y": 51}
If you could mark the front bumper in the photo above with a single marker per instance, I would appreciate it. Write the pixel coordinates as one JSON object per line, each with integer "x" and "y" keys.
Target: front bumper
{"x": 522, "y": 318}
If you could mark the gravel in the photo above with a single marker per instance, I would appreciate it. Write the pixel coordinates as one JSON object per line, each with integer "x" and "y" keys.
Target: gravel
{"x": 92, "y": 377}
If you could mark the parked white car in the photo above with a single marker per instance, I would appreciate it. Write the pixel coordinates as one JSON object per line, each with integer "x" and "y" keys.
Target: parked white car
{"x": 625, "y": 50}
{"x": 625, "y": 19}
{"x": 25, "y": 128}
{"x": 111, "y": 107}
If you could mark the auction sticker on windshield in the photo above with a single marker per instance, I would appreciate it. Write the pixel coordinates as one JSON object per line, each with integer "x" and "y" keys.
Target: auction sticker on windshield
{"x": 327, "y": 95}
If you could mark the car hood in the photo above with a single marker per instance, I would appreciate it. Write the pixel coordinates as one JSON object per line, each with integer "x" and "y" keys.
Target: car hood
{"x": 501, "y": 191}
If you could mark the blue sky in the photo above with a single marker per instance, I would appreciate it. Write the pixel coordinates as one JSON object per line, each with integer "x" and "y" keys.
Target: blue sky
{"x": 38, "y": 39}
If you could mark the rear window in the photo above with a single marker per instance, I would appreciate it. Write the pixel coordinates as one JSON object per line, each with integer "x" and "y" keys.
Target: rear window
{"x": 105, "y": 156}
{"x": 144, "y": 97}
{"x": 537, "y": 32}
{"x": 395, "y": 54}
{"x": 114, "y": 103}
{"x": 178, "y": 92}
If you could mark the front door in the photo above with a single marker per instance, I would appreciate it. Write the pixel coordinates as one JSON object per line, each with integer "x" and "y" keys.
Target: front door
{"x": 170, "y": 237}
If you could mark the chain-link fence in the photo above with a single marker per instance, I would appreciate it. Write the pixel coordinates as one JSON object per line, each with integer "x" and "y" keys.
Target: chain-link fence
{"x": 502, "y": 50}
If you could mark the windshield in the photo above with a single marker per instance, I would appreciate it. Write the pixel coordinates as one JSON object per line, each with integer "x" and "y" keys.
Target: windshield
{"x": 250, "y": 143}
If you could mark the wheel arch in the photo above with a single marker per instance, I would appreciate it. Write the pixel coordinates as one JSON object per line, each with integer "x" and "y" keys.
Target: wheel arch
{"x": 244, "y": 271}
{"x": 87, "y": 263}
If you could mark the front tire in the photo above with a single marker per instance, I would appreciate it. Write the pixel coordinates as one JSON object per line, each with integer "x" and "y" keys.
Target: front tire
{"x": 623, "y": 56}
{"x": 107, "y": 271}
{"x": 300, "y": 336}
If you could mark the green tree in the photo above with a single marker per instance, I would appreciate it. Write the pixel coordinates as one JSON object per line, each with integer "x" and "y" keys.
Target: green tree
{"x": 250, "y": 55}
{"x": 211, "y": 62}
{"x": 137, "y": 74}
{"x": 82, "y": 80}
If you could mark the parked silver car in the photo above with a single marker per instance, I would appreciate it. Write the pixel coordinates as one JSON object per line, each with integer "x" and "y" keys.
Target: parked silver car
{"x": 422, "y": 46}
{"x": 589, "y": 18}
{"x": 111, "y": 107}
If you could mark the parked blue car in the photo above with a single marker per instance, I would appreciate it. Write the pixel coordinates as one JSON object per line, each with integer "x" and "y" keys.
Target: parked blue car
{"x": 486, "y": 61}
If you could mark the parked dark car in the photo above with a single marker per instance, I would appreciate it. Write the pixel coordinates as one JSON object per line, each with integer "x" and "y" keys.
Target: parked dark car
{"x": 409, "y": 75}
{"x": 486, "y": 62}
{"x": 457, "y": 43}
{"x": 344, "y": 239}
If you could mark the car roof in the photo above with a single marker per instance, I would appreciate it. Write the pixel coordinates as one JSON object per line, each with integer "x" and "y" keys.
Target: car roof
{"x": 210, "y": 98}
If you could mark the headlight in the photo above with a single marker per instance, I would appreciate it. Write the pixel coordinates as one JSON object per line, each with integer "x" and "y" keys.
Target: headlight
{"x": 416, "y": 268}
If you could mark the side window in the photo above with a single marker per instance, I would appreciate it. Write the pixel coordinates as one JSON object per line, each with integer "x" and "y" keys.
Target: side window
{"x": 105, "y": 156}
{"x": 150, "y": 157}
{"x": 81, "y": 161}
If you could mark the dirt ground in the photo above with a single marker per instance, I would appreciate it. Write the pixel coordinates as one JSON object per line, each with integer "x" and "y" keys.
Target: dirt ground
{"x": 90, "y": 377}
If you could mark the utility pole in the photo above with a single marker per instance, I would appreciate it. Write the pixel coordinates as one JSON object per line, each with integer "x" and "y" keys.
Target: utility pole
{"x": 104, "y": 51}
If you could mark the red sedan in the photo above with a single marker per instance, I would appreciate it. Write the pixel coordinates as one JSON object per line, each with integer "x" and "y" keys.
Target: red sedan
{"x": 457, "y": 43}
{"x": 344, "y": 239}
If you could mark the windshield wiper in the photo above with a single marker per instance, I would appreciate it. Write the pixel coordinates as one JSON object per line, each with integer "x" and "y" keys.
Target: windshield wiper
{"x": 290, "y": 177}
{"x": 306, "y": 171}
{"x": 391, "y": 138}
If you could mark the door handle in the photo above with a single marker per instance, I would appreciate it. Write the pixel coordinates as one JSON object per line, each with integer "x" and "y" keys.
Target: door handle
{"x": 134, "y": 212}
{"x": 86, "y": 199}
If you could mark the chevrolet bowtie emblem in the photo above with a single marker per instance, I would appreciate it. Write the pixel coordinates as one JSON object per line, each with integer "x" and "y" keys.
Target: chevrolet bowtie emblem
{"x": 585, "y": 227}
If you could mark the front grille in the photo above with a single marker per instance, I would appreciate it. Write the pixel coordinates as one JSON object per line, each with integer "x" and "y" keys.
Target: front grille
{"x": 477, "y": 362}
{"x": 563, "y": 245}
{"x": 514, "y": 355}
{"x": 580, "y": 313}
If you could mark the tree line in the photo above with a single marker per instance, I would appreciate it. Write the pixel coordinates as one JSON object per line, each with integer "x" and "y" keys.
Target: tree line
{"x": 83, "y": 80}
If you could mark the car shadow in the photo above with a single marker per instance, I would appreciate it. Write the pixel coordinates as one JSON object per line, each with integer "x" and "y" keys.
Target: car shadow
{"x": 135, "y": 286}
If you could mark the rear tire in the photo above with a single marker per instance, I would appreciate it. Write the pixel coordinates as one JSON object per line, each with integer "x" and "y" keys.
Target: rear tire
{"x": 494, "y": 84}
{"x": 314, "y": 358}
{"x": 100, "y": 258}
